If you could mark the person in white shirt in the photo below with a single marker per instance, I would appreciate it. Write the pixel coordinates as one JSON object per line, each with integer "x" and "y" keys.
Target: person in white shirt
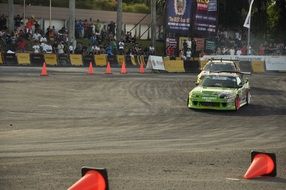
{"x": 61, "y": 48}
{"x": 46, "y": 48}
{"x": 189, "y": 43}
{"x": 231, "y": 51}
{"x": 121, "y": 47}
{"x": 37, "y": 36}
{"x": 36, "y": 47}
{"x": 238, "y": 52}
{"x": 43, "y": 39}
{"x": 188, "y": 54}
{"x": 71, "y": 49}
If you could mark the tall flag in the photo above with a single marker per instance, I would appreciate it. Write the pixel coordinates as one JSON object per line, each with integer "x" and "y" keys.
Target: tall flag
{"x": 247, "y": 20}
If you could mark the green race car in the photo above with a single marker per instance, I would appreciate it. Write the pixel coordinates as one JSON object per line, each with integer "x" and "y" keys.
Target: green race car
{"x": 220, "y": 91}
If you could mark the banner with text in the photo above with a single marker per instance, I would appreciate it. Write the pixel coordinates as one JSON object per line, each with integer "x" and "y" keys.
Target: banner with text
{"x": 205, "y": 21}
{"x": 179, "y": 16}
{"x": 155, "y": 63}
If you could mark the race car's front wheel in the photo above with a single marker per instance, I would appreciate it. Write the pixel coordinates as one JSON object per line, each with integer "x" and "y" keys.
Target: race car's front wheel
{"x": 248, "y": 97}
{"x": 237, "y": 103}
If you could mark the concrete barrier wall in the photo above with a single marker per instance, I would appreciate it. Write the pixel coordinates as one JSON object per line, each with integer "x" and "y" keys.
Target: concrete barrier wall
{"x": 255, "y": 64}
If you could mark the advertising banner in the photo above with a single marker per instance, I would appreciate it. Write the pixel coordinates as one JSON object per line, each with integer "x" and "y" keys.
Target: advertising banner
{"x": 276, "y": 63}
{"x": 100, "y": 60}
{"x": 63, "y": 60}
{"x": 120, "y": 59}
{"x": 176, "y": 66}
{"x": 155, "y": 63}
{"x": 179, "y": 16}
{"x": 76, "y": 59}
{"x": 205, "y": 21}
{"x": 37, "y": 59}
{"x": 51, "y": 59}
{"x": 200, "y": 43}
{"x": 23, "y": 58}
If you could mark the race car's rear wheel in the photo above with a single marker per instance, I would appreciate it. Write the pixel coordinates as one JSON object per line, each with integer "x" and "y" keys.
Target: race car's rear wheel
{"x": 237, "y": 103}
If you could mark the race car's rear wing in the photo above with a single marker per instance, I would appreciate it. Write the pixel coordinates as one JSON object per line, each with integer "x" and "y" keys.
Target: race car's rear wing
{"x": 238, "y": 72}
{"x": 223, "y": 59}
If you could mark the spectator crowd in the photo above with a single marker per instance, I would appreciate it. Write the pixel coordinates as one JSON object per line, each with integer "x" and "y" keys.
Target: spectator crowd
{"x": 91, "y": 37}
{"x": 94, "y": 37}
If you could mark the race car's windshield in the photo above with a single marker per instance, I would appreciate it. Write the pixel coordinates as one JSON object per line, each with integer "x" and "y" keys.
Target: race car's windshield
{"x": 219, "y": 81}
{"x": 216, "y": 67}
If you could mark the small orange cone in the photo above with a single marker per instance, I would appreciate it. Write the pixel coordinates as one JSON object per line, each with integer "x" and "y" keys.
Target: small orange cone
{"x": 44, "y": 70}
{"x": 93, "y": 179}
{"x": 141, "y": 69}
{"x": 262, "y": 164}
{"x": 123, "y": 68}
{"x": 108, "y": 69}
{"x": 90, "y": 69}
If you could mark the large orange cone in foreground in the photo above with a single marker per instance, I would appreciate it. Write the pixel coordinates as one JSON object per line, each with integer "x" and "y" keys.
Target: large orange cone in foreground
{"x": 123, "y": 68}
{"x": 93, "y": 179}
{"x": 44, "y": 70}
{"x": 141, "y": 68}
{"x": 90, "y": 69}
{"x": 108, "y": 69}
{"x": 262, "y": 164}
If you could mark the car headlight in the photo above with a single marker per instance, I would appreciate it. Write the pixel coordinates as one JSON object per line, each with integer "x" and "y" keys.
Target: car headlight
{"x": 227, "y": 96}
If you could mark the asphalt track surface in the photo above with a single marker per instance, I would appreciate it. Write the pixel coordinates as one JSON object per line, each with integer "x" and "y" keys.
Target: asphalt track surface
{"x": 138, "y": 127}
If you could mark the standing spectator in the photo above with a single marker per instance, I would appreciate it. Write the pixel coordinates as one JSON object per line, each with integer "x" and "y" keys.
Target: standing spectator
{"x": 218, "y": 51}
{"x": 17, "y": 20}
{"x": 231, "y": 51}
{"x": 261, "y": 50}
{"x": 97, "y": 26}
{"x": 93, "y": 40}
{"x": 22, "y": 44}
{"x": 188, "y": 54}
{"x": 3, "y": 22}
{"x": 43, "y": 39}
{"x": 185, "y": 46}
{"x": 151, "y": 50}
{"x": 194, "y": 47}
{"x": 36, "y": 47}
{"x": 61, "y": 48}
{"x": 37, "y": 36}
{"x": 111, "y": 28}
{"x": 170, "y": 51}
{"x": 189, "y": 43}
{"x": 238, "y": 52}
{"x": 46, "y": 48}
{"x": 121, "y": 47}
{"x": 243, "y": 50}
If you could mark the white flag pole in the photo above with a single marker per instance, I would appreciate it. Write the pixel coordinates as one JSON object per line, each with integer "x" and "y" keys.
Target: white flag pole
{"x": 247, "y": 24}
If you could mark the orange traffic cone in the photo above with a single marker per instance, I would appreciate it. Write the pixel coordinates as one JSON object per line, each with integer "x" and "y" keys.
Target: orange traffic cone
{"x": 141, "y": 68}
{"x": 262, "y": 164}
{"x": 90, "y": 69}
{"x": 44, "y": 70}
{"x": 123, "y": 68}
{"x": 93, "y": 179}
{"x": 108, "y": 69}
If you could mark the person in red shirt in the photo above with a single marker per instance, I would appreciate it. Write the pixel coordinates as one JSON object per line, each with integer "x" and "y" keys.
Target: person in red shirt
{"x": 22, "y": 45}
{"x": 170, "y": 51}
{"x": 243, "y": 50}
{"x": 261, "y": 50}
